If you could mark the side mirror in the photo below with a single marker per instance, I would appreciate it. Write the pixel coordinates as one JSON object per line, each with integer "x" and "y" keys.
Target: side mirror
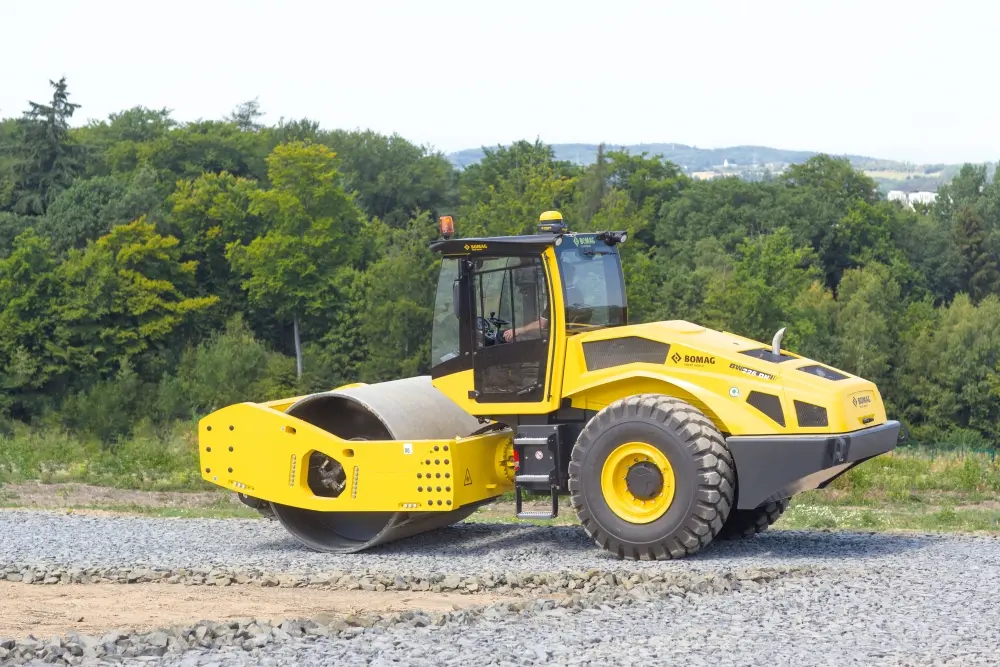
{"x": 456, "y": 292}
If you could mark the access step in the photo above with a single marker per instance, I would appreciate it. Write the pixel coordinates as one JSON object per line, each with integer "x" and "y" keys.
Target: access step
{"x": 521, "y": 514}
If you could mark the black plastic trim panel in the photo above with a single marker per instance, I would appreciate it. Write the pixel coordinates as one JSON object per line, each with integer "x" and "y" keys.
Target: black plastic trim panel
{"x": 823, "y": 372}
{"x": 769, "y": 404}
{"x": 810, "y": 415}
{"x": 767, "y": 355}
{"x": 601, "y": 354}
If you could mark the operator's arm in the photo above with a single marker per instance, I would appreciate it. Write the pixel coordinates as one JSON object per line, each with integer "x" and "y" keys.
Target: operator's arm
{"x": 540, "y": 323}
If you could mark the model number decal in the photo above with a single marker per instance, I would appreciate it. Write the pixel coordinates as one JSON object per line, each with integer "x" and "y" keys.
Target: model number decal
{"x": 751, "y": 372}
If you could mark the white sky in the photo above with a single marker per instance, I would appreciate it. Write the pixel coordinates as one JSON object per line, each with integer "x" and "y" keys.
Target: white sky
{"x": 909, "y": 80}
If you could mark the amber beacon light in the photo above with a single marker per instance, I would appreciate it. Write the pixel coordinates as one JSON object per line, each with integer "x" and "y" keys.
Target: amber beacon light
{"x": 447, "y": 226}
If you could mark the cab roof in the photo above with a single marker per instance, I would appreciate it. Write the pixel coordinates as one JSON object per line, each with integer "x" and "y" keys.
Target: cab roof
{"x": 502, "y": 245}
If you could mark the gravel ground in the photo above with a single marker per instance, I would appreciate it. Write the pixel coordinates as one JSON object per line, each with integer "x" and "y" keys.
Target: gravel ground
{"x": 466, "y": 549}
{"x": 845, "y": 599}
{"x": 885, "y": 619}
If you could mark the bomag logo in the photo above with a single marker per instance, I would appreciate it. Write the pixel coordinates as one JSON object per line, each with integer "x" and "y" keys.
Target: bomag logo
{"x": 584, "y": 240}
{"x": 698, "y": 359}
{"x": 475, "y": 246}
{"x": 692, "y": 359}
{"x": 862, "y": 401}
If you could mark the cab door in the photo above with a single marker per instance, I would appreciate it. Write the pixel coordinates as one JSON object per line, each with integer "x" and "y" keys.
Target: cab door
{"x": 511, "y": 332}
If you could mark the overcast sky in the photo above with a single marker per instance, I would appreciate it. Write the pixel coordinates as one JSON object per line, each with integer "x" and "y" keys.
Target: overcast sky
{"x": 910, "y": 80}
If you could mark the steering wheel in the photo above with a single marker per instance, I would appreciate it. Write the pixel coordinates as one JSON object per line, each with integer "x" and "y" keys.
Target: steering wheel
{"x": 496, "y": 321}
{"x": 490, "y": 328}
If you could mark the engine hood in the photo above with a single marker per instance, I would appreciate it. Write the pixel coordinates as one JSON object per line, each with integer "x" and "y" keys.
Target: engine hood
{"x": 722, "y": 371}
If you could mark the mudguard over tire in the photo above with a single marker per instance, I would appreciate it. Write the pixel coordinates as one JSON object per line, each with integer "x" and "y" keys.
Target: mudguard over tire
{"x": 698, "y": 472}
{"x": 748, "y": 523}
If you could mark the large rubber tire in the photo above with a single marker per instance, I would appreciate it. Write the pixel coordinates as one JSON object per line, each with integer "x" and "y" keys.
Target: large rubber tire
{"x": 702, "y": 467}
{"x": 748, "y": 523}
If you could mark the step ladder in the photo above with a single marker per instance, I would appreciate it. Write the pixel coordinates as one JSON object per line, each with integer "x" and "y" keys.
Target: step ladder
{"x": 539, "y": 456}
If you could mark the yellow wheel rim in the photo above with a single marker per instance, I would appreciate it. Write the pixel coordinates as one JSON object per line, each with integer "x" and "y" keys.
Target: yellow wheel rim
{"x": 614, "y": 484}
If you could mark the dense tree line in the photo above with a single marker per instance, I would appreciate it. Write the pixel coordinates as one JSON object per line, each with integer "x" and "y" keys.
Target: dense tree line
{"x": 157, "y": 269}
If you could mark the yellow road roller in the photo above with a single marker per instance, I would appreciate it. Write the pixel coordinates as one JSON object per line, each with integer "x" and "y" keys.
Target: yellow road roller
{"x": 663, "y": 436}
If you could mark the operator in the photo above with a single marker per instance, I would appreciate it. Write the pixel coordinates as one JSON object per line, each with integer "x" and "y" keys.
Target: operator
{"x": 573, "y": 297}
{"x": 541, "y": 323}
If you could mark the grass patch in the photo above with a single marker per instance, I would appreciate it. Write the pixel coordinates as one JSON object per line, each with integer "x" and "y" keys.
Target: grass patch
{"x": 151, "y": 460}
{"x": 803, "y": 516}
{"x": 915, "y": 476}
{"x": 220, "y": 512}
{"x": 908, "y": 489}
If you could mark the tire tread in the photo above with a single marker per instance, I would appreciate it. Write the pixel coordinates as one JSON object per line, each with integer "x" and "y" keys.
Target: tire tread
{"x": 742, "y": 524}
{"x": 716, "y": 476}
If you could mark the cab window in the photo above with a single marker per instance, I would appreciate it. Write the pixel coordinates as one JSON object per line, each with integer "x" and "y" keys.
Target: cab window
{"x": 593, "y": 285}
{"x": 511, "y": 300}
{"x": 445, "y": 331}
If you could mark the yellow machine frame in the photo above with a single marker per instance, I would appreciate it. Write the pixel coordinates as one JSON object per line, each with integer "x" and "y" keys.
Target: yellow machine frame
{"x": 257, "y": 450}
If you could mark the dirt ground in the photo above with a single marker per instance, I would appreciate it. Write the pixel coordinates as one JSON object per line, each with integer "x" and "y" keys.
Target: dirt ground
{"x": 34, "y": 495}
{"x": 52, "y": 496}
{"x": 46, "y": 611}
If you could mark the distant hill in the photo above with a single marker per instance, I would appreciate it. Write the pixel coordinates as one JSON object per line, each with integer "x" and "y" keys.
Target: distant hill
{"x": 749, "y": 162}
{"x": 691, "y": 158}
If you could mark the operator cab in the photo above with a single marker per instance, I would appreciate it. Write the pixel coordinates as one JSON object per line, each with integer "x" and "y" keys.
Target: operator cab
{"x": 493, "y": 315}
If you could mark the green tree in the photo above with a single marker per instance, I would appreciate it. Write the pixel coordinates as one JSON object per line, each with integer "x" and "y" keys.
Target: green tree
{"x": 135, "y": 125}
{"x": 812, "y": 332}
{"x": 48, "y": 159}
{"x": 90, "y": 208}
{"x": 505, "y": 193}
{"x": 966, "y": 189}
{"x": 931, "y": 251}
{"x": 728, "y": 209}
{"x": 230, "y": 367}
{"x": 399, "y": 297}
{"x": 28, "y": 290}
{"x": 312, "y": 235}
{"x": 115, "y": 143}
{"x": 187, "y": 150}
{"x": 952, "y": 374}
{"x": 245, "y": 116}
{"x": 510, "y": 167}
{"x": 633, "y": 189}
{"x": 835, "y": 179}
{"x": 831, "y": 208}
{"x": 650, "y": 182}
{"x": 758, "y": 296}
{"x": 11, "y": 226}
{"x": 125, "y": 299}
{"x": 391, "y": 178}
{"x": 867, "y": 340}
{"x": 11, "y": 133}
{"x": 978, "y": 249}
{"x": 593, "y": 186}
{"x": 208, "y": 214}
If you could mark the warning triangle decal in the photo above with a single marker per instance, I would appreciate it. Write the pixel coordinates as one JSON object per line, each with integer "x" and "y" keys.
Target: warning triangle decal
{"x": 468, "y": 477}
